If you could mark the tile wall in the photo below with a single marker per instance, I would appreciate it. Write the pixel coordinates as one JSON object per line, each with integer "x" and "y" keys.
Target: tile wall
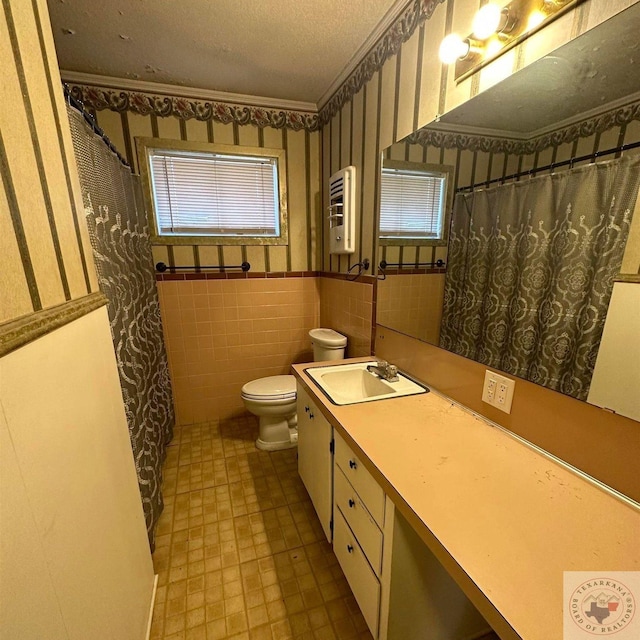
{"x": 222, "y": 333}
{"x": 347, "y": 307}
{"x": 412, "y": 304}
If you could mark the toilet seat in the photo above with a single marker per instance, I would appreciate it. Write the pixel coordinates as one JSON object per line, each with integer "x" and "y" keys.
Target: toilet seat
{"x": 270, "y": 388}
{"x": 273, "y": 399}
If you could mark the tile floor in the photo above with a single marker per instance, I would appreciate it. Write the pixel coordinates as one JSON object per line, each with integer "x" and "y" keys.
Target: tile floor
{"x": 240, "y": 553}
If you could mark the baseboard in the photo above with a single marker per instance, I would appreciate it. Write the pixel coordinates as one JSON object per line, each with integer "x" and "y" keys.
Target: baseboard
{"x": 153, "y": 602}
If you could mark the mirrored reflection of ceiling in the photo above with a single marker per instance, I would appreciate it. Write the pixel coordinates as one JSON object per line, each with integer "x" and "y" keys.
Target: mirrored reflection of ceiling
{"x": 290, "y": 49}
{"x": 596, "y": 69}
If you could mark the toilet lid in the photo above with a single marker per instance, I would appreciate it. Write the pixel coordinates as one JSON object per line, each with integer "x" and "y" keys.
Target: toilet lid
{"x": 328, "y": 338}
{"x": 274, "y": 387}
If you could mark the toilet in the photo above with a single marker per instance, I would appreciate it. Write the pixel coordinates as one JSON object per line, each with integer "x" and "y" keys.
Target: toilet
{"x": 273, "y": 399}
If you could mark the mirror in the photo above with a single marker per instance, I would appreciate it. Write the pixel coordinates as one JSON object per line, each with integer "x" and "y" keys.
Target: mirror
{"x": 553, "y": 117}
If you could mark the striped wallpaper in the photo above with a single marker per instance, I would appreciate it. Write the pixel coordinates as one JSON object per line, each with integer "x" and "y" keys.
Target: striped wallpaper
{"x": 412, "y": 87}
{"x": 398, "y": 87}
{"x": 45, "y": 253}
{"x": 46, "y": 258}
{"x": 303, "y": 184}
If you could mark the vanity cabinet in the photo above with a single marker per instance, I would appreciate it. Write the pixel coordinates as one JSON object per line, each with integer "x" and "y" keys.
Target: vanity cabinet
{"x": 441, "y": 517}
{"x": 404, "y": 593}
{"x": 315, "y": 459}
{"x": 358, "y": 538}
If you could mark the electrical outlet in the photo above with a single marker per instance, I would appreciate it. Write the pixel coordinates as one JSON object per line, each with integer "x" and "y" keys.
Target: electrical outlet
{"x": 490, "y": 386}
{"x": 498, "y": 391}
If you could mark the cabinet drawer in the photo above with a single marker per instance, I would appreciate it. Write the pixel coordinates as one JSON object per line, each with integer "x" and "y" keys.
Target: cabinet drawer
{"x": 361, "y": 579}
{"x": 359, "y": 519}
{"x": 361, "y": 480}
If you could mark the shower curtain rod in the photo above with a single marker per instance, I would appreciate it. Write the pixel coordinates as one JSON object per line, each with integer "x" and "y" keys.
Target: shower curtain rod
{"x": 552, "y": 166}
{"x": 90, "y": 120}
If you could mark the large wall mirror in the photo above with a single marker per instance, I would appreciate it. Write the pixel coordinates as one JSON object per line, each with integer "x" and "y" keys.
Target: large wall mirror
{"x": 543, "y": 185}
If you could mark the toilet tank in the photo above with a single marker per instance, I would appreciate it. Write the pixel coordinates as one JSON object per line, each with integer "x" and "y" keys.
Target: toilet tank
{"x": 327, "y": 344}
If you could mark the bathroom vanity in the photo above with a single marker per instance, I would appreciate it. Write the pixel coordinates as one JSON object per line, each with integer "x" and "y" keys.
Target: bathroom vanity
{"x": 439, "y": 516}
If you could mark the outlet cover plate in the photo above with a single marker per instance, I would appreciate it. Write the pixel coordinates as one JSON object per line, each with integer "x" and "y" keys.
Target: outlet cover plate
{"x": 498, "y": 391}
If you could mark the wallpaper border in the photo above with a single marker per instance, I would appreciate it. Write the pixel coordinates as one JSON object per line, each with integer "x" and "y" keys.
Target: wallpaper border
{"x": 469, "y": 142}
{"x": 21, "y": 331}
{"x": 145, "y": 103}
{"x": 415, "y": 14}
{"x": 142, "y": 103}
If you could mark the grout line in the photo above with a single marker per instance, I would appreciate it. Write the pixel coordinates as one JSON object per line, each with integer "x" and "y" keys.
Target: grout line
{"x": 289, "y": 514}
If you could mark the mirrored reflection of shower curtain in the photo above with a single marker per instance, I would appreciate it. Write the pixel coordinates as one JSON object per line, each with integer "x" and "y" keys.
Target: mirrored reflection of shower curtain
{"x": 530, "y": 271}
{"x": 119, "y": 234}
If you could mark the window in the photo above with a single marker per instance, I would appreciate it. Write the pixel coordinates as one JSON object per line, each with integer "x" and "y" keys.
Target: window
{"x": 413, "y": 201}
{"x": 214, "y": 194}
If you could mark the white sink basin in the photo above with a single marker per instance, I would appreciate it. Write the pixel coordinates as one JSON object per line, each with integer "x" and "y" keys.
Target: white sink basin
{"x": 352, "y": 383}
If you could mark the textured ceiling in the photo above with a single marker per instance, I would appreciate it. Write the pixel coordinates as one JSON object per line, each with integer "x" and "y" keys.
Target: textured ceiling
{"x": 291, "y": 50}
{"x": 596, "y": 69}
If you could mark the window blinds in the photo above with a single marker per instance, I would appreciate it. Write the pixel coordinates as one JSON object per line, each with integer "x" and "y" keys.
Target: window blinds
{"x": 411, "y": 204}
{"x": 214, "y": 194}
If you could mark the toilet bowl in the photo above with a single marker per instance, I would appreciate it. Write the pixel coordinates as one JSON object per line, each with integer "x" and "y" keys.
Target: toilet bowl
{"x": 273, "y": 399}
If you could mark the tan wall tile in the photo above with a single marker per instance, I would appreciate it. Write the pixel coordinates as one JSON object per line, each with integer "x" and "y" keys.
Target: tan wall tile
{"x": 222, "y": 334}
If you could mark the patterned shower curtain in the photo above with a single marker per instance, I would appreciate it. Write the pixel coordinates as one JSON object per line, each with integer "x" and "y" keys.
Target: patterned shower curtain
{"x": 530, "y": 271}
{"x": 119, "y": 234}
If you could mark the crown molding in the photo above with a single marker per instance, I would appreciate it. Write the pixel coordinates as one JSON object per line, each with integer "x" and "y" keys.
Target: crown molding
{"x": 614, "y": 106}
{"x": 382, "y": 27}
{"x": 612, "y": 111}
{"x": 172, "y": 90}
{"x": 616, "y": 115}
{"x": 414, "y": 14}
{"x": 596, "y": 113}
{"x": 470, "y": 130}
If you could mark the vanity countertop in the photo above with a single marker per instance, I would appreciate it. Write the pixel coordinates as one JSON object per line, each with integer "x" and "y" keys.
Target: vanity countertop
{"x": 504, "y": 519}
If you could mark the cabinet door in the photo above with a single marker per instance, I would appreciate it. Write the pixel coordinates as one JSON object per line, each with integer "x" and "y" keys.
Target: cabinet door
{"x": 315, "y": 464}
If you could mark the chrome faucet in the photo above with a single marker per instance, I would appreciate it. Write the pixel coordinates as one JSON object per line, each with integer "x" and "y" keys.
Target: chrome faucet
{"x": 384, "y": 370}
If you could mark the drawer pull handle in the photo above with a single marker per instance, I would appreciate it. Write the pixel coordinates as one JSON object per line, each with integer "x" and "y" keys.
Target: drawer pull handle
{"x": 352, "y": 464}
{"x": 311, "y": 415}
{"x": 350, "y": 548}
{"x": 306, "y": 409}
{"x": 351, "y": 503}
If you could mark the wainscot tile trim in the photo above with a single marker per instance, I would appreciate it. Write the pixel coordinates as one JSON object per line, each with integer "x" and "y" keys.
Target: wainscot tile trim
{"x": 21, "y": 331}
{"x": 362, "y": 279}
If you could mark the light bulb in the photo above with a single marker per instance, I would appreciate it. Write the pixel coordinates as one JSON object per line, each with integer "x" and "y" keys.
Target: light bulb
{"x": 487, "y": 21}
{"x": 452, "y": 48}
{"x": 536, "y": 18}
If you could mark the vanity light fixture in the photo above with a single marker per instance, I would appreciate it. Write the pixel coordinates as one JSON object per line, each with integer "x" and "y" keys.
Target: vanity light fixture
{"x": 496, "y": 29}
{"x": 492, "y": 19}
{"x": 453, "y": 48}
